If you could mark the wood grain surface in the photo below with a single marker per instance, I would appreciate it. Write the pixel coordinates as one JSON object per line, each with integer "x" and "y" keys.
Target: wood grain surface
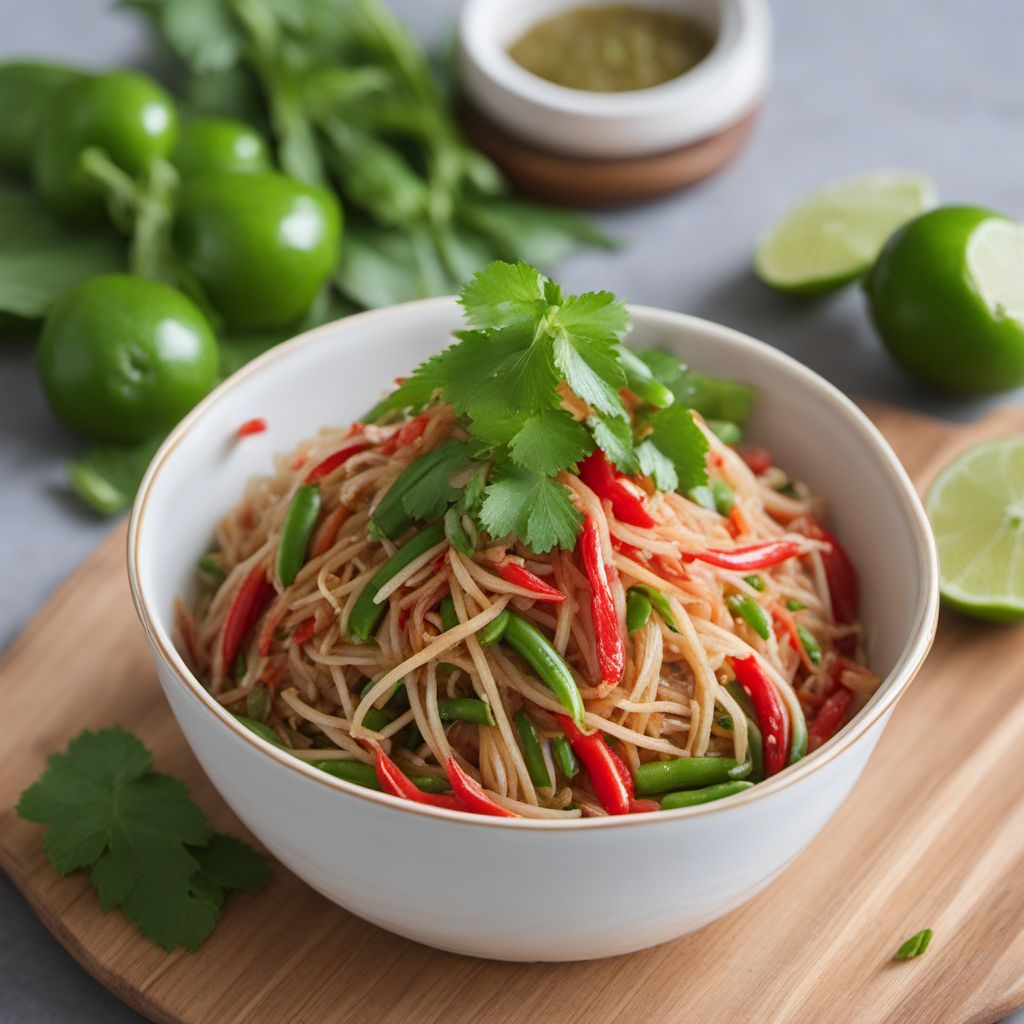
{"x": 932, "y": 836}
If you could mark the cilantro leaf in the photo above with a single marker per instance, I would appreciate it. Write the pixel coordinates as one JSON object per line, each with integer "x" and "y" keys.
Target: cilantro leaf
{"x": 549, "y": 441}
{"x": 596, "y": 316}
{"x": 149, "y": 846}
{"x": 430, "y": 493}
{"x": 614, "y": 436}
{"x": 592, "y": 370}
{"x": 530, "y": 505}
{"x": 657, "y": 465}
{"x": 106, "y": 477}
{"x": 677, "y": 436}
{"x": 509, "y": 295}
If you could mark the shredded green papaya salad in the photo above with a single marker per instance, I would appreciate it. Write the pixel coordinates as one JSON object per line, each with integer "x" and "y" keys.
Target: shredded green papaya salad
{"x": 545, "y": 577}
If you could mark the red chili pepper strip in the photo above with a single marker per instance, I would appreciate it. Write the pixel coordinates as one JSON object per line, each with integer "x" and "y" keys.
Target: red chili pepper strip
{"x": 843, "y": 586}
{"x": 748, "y": 557}
{"x": 333, "y": 461}
{"x": 611, "y": 789}
{"x": 643, "y": 806}
{"x": 253, "y": 426}
{"x": 829, "y": 718}
{"x": 772, "y": 719}
{"x": 626, "y": 498}
{"x": 611, "y": 650}
{"x": 470, "y": 794}
{"x": 392, "y": 780}
{"x": 520, "y": 576}
{"x": 255, "y": 593}
{"x": 627, "y": 549}
{"x": 304, "y": 631}
{"x": 406, "y": 434}
{"x": 759, "y": 460}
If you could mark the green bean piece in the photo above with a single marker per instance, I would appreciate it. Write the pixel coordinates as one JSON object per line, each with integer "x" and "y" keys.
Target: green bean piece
{"x": 449, "y": 617}
{"x": 494, "y": 630}
{"x": 535, "y": 648}
{"x": 660, "y": 603}
{"x": 264, "y": 731}
{"x": 788, "y": 489}
{"x": 561, "y": 749}
{"x": 744, "y": 607}
{"x": 638, "y": 610}
{"x": 257, "y": 703}
{"x": 726, "y": 431}
{"x": 755, "y": 581}
{"x": 794, "y": 605}
{"x": 298, "y": 528}
{"x": 641, "y": 381}
{"x": 210, "y": 565}
{"x": 797, "y": 728}
{"x": 532, "y": 753}
{"x": 395, "y": 690}
{"x": 465, "y": 709}
{"x": 702, "y": 495}
{"x": 725, "y": 497}
{"x": 687, "y": 773}
{"x": 238, "y": 666}
{"x": 366, "y": 615}
{"x": 376, "y": 719}
{"x": 364, "y": 775}
{"x": 413, "y": 737}
{"x": 724, "y": 722}
{"x": 456, "y": 533}
{"x": 755, "y": 742}
{"x": 811, "y": 645}
{"x": 693, "y": 797}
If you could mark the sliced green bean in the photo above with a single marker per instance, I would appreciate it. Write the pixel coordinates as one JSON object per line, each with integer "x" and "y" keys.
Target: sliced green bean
{"x": 210, "y": 565}
{"x": 535, "y": 648}
{"x": 811, "y": 645}
{"x": 449, "y": 617}
{"x": 371, "y": 683}
{"x": 797, "y": 725}
{"x": 687, "y": 773}
{"x": 755, "y": 581}
{"x": 239, "y": 665}
{"x": 726, "y": 431}
{"x": 456, "y": 532}
{"x": 755, "y": 742}
{"x": 744, "y": 607}
{"x": 366, "y": 615}
{"x": 494, "y": 630}
{"x": 257, "y": 703}
{"x": 298, "y": 528}
{"x": 465, "y": 709}
{"x": 724, "y": 495}
{"x": 641, "y": 381}
{"x": 261, "y": 729}
{"x": 363, "y": 775}
{"x": 561, "y": 750}
{"x": 660, "y": 603}
{"x": 794, "y": 605}
{"x": 638, "y": 610}
{"x": 693, "y": 797}
{"x": 413, "y": 737}
{"x": 532, "y": 753}
{"x": 376, "y": 719}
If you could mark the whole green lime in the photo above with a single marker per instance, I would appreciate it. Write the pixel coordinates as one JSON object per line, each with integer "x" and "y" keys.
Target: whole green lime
{"x": 947, "y": 296}
{"x": 125, "y": 114}
{"x": 259, "y": 245}
{"x": 122, "y": 358}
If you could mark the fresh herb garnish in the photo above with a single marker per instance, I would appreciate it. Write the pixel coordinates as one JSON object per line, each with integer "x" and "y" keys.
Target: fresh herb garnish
{"x": 149, "y": 847}
{"x": 914, "y": 946}
{"x": 538, "y": 381}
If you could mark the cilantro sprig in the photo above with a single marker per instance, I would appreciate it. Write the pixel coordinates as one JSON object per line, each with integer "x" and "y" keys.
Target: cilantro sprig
{"x": 538, "y": 380}
{"x": 149, "y": 847}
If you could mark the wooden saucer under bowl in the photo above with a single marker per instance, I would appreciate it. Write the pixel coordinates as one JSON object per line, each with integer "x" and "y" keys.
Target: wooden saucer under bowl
{"x": 576, "y": 181}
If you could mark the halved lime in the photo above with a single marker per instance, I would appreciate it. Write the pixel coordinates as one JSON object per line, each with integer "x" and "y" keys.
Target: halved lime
{"x": 834, "y": 235}
{"x": 947, "y": 296}
{"x": 976, "y": 506}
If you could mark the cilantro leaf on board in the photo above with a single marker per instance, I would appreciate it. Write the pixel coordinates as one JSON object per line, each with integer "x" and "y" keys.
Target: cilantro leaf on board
{"x": 149, "y": 846}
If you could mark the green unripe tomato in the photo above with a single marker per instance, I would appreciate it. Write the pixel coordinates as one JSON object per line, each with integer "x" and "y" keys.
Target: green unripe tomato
{"x": 25, "y": 89}
{"x": 259, "y": 245}
{"x": 124, "y": 113}
{"x": 122, "y": 358}
{"x": 208, "y": 145}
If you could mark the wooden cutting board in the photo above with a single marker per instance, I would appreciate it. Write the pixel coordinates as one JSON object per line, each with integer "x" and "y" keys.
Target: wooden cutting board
{"x": 932, "y": 836}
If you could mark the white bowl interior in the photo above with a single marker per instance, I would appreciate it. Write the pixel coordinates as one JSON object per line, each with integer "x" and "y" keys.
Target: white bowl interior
{"x": 335, "y": 373}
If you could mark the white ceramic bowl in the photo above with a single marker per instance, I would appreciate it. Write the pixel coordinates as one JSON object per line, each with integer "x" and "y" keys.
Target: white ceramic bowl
{"x": 724, "y": 87}
{"x": 517, "y": 889}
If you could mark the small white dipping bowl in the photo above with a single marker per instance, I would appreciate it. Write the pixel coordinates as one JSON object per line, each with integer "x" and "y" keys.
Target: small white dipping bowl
{"x": 518, "y": 889}
{"x": 725, "y": 86}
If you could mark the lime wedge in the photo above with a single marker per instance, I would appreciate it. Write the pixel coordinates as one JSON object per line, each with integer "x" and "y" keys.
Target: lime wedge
{"x": 834, "y": 235}
{"x": 977, "y": 511}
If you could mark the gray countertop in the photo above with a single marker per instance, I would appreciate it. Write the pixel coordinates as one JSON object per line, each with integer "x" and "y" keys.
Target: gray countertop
{"x": 934, "y": 85}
